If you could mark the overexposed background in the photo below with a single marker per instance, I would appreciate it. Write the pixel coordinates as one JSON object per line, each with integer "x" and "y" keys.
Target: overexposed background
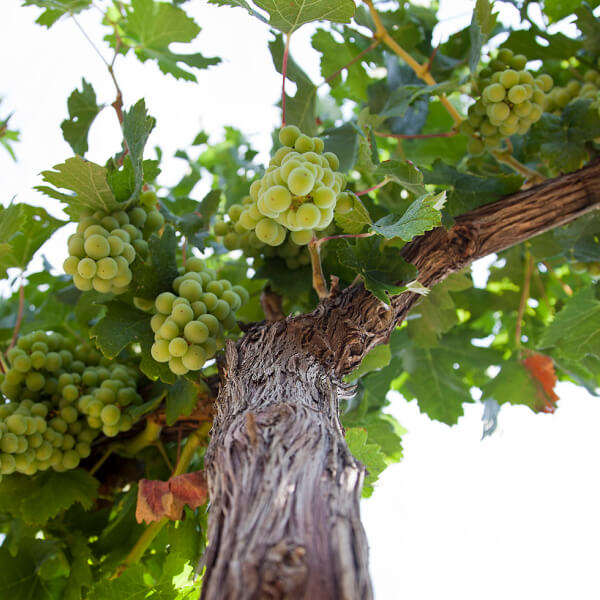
{"x": 512, "y": 516}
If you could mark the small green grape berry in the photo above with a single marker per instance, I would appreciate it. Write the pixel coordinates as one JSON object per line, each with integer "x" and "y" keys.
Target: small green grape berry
{"x": 176, "y": 365}
{"x": 87, "y": 268}
{"x": 182, "y": 314}
{"x": 211, "y": 322}
{"x": 96, "y": 246}
{"x": 194, "y": 358}
{"x": 288, "y": 135}
{"x": 110, "y": 414}
{"x": 475, "y": 147}
{"x": 232, "y": 299}
{"x": 300, "y": 181}
{"x": 164, "y": 302}
{"x": 70, "y": 265}
{"x": 304, "y": 143}
{"x": 517, "y": 94}
{"x": 169, "y": 330}
{"x": 178, "y": 346}
{"x": 495, "y": 92}
{"x": 160, "y": 351}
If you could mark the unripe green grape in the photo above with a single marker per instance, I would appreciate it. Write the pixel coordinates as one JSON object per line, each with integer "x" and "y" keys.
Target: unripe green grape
{"x": 505, "y": 55}
{"x": 538, "y": 97}
{"x": 221, "y": 228}
{"x": 83, "y": 449}
{"x": 182, "y": 314}
{"x": 518, "y": 62}
{"x": 277, "y": 198}
{"x": 498, "y": 111}
{"x": 164, "y": 302}
{"x": 300, "y": 181}
{"x": 230, "y": 241}
{"x": 68, "y": 442}
{"x": 234, "y": 212}
{"x": 209, "y": 300}
{"x": 69, "y": 414}
{"x": 137, "y": 216}
{"x": 38, "y": 359}
{"x": 517, "y": 94}
{"x": 102, "y": 286}
{"x": 157, "y": 321}
{"x": 34, "y": 381}
{"x": 70, "y": 460}
{"x": 35, "y": 440}
{"x": 344, "y": 203}
{"x": 133, "y": 231}
{"x": 87, "y": 268}
{"x": 242, "y": 292}
{"x": 126, "y": 396}
{"x": 246, "y": 220}
{"x": 70, "y": 265}
{"x": 475, "y": 147}
{"x": 266, "y": 231}
{"x": 94, "y": 407}
{"x": 110, "y": 414}
{"x": 332, "y": 160}
{"x": 466, "y": 127}
{"x": 324, "y": 197}
{"x": 536, "y": 113}
{"x": 44, "y": 451}
{"x": 288, "y": 135}
{"x": 107, "y": 268}
{"x": 495, "y": 92}
{"x": 303, "y": 143}
{"x": 178, "y": 346}
{"x": 308, "y": 216}
{"x": 509, "y": 78}
{"x": 95, "y": 230}
{"x": 16, "y": 424}
{"x": 191, "y": 290}
{"x": 215, "y": 287}
{"x": 493, "y": 141}
{"x": 545, "y": 82}
{"x": 96, "y": 246}
{"x": 523, "y": 109}
{"x": 128, "y": 252}
{"x": 81, "y": 284}
{"x": 53, "y": 361}
{"x": 301, "y": 237}
{"x": 280, "y": 155}
{"x": 232, "y": 299}
{"x": 160, "y": 351}
{"x": 264, "y": 209}
{"x": 211, "y": 322}
{"x": 209, "y": 347}
{"x": 141, "y": 247}
{"x": 76, "y": 246}
{"x": 8, "y": 464}
{"x": 221, "y": 309}
{"x": 176, "y": 365}
{"x": 9, "y": 443}
{"x": 194, "y": 358}
{"x": 508, "y": 129}
{"x": 199, "y": 308}
{"x": 39, "y": 410}
{"x": 121, "y": 234}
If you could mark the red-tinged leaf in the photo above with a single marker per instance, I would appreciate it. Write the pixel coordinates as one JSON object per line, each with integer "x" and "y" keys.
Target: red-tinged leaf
{"x": 541, "y": 368}
{"x": 158, "y": 499}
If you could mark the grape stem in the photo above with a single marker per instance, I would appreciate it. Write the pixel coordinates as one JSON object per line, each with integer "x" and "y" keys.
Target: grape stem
{"x": 385, "y": 181}
{"x": 565, "y": 286}
{"x": 161, "y": 449}
{"x": 358, "y": 57}
{"x": 15, "y": 334}
{"x": 531, "y": 177}
{"x": 319, "y": 283}
{"x": 422, "y": 71}
{"x": 524, "y": 297}
{"x": 286, "y": 52}
{"x": 195, "y": 439}
{"x": 3, "y": 365}
{"x": 341, "y": 236}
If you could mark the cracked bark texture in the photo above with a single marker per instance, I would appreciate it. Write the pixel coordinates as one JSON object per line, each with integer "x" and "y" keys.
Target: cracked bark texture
{"x": 284, "y": 488}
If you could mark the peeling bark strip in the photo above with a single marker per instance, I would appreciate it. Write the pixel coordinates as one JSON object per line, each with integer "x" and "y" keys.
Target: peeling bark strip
{"x": 284, "y": 488}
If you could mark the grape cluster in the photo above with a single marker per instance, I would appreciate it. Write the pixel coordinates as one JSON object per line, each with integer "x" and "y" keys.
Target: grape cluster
{"x": 237, "y": 237}
{"x": 511, "y": 100}
{"x": 189, "y": 324}
{"x": 559, "y": 97}
{"x": 104, "y": 246}
{"x": 298, "y": 191}
{"x": 61, "y": 396}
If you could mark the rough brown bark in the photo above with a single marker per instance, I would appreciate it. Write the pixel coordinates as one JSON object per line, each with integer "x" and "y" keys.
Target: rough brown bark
{"x": 284, "y": 489}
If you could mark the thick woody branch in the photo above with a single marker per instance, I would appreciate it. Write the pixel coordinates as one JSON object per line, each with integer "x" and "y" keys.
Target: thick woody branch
{"x": 347, "y": 326}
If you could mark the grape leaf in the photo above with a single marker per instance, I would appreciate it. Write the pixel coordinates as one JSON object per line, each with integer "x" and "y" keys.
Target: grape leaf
{"x": 376, "y": 359}
{"x": 80, "y": 571}
{"x": 575, "y": 331}
{"x": 369, "y": 454}
{"x": 55, "y": 9}
{"x": 122, "y": 180}
{"x": 589, "y": 25}
{"x": 83, "y": 109}
{"x": 404, "y": 173}
{"x": 137, "y": 125}
{"x": 343, "y": 142}
{"x": 87, "y": 180}
{"x": 156, "y": 276}
{"x": 381, "y": 267}
{"x": 151, "y": 27}
{"x": 559, "y": 9}
{"x": 422, "y": 215}
{"x": 121, "y": 325}
{"x": 182, "y": 397}
{"x": 482, "y": 24}
{"x": 23, "y": 229}
{"x": 301, "y": 108}
{"x": 239, "y": 4}
{"x": 40, "y": 497}
{"x": 355, "y": 220}
{"x": 289, "y": 15}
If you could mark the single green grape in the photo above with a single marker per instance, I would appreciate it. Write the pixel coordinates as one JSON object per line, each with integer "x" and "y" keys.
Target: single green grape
{"x": 288, "y": 135}
{"x": 160, "y": 351}
{"x": 495, "y": 92}
{"x": 87, "y": 268}
{"x": 96, "y": 246}
{"x": 277, "y": 198}
{"x": 178, "y": 347}
{"x": 308, "y": 216}
{"x": 475, "y": 147}
{"x": 110, "y": 414}
{"x": 517, "y": 94}
{"x": 182, "y": 313}
{"x": 176, "y": 365}
{"x": 232, "y": 298}
{"x": 70, "y": 265}
{"x": 304, "y": 143}
{"x": 498, "y": 112}
{"x": 300, "y": 181}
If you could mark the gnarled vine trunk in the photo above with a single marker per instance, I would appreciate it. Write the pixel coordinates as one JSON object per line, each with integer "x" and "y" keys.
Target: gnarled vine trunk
{"x": 284, "y": 488}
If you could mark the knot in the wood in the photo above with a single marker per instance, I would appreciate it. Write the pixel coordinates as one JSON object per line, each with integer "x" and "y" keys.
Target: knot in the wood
{"x": 285, "y": 571}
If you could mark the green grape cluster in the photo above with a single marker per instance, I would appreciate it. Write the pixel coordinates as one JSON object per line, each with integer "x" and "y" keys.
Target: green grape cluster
{"x": 60, "y": 397}
{"x": 237, "y": 237}
{"x": 298, "y": 191}
{"x": 189, "y": 324}
{"x": 560, "y": 96}
{"x": 592, "y": 268}
{"x": 105, "y": 245}
{"x": 511, "y": 100}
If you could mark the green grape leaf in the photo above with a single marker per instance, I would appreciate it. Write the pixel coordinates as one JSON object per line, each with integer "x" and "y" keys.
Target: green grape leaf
{"x": 404, "y": 173}
{"x": 525, "y": 41}
{"x": 121, "y": 325}
{"x": 83, "y": 109}
{"x": 482, "y": 24}
{"x": 80, "y": 570}
{"x": 150, "y": 279}
{"x": 375, "y": 359}
{"x": 301, "y": 108}
{"x": 436, "y": 313}
{"x": 575, "y": 331}
{"x": 343, "y": 142}
{"x": 182, "y": 397}
{"x": 470, "y": 191}
{"x": 151, "y": 27}
{"x": 239, "y": 4}
{"x": 23, "y": 229}
{"x": 424, "y": 214}
{"x": 40, "y": 497}
{"x": 87, "y": 180}
{"x": 369, "y": 454}
{"x": 355, "y": 220}
{"x": 137, "y": 125}
{"x": 589, "y": 25}
{"x": 55, "y": 9}
{"x": 287, "y": 16}
{"x": 8, "y": 136}
{"x": 559, "y": 9}
{"x": 381, "y": 267}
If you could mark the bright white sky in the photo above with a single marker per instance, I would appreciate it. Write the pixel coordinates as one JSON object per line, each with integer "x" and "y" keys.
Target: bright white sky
{"x": 513, "y": 516}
